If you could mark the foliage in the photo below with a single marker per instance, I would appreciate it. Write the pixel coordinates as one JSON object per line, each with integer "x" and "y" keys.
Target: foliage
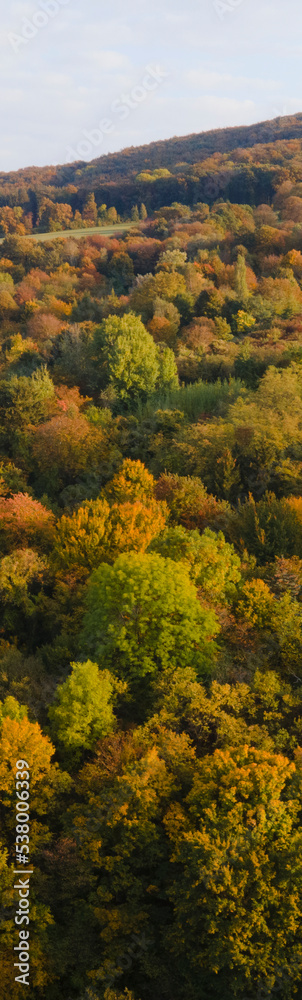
{"x": 268, "y": 529}
{"x": 96, "y": 532}
{"x": 129, "y": 354}
{"x": 213, "y": 563}
{"x": 189, "y": 502}
{"x": 27, "y": 399}
{"x": 226, "y": 854}
{"x": 143, "y": 613}
{"x": 67, "y": 447}
{"x": 150, "y": 530}
{"x": 131, "y": 482}
{"x": 23, "y": 740}
{"x": 24, "y": 519}
{"x": 82, "y": 713}
{"x": 201, "y": 397}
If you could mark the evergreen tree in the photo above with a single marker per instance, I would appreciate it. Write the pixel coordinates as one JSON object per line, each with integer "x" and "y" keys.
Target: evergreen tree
{"x": 241, "y": 288}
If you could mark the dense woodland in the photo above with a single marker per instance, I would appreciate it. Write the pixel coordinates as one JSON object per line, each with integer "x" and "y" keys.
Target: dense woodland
{"x": 151, "y": 581}
{"x": 242, "y": 165}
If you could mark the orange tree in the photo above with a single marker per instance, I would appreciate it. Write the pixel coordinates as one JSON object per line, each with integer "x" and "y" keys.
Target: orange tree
{"x": 24, "y": 740}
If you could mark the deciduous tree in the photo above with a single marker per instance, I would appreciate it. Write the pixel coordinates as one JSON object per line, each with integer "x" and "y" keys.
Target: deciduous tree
{"x": 143, "y": 613}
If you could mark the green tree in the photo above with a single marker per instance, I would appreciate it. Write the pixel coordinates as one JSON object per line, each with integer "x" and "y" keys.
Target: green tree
{"x": 21, "y": 578}
{"x": 11, "y": 708}
{"x": 26, "y": 400}
{"x": 241, "y": 287}
{"x": 111, "y": 216}
{"x": 130, "y": 355}
{"x": 164, "y": 285}
{"x": 121, "y": 273}
{"x": 244, "y": 321}
{"x": 172, "y": 260}
{"x": 12, "y": 479}
{"x": 130, "y": 784}
{"x": 213, "y": 563}
{"x": 168, "y": 375}
{"x": 82, "y": 712}
{"x": 267, "y": 529}
{"x": 135, "y": 214}
{"x": 143, "y": 613}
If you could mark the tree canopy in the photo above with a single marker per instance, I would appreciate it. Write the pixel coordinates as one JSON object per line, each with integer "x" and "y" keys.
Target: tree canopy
{"x": 143, "y": 613}
{"x": 151, "y": 569}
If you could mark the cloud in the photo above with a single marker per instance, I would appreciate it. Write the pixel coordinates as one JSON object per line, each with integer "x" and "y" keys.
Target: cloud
{"x": 213, "y": 80}
{"x": 109, "y": 60}
{"x": 230, "y": 72}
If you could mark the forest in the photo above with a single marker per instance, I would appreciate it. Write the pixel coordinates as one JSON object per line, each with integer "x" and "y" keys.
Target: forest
{"x": 151, "y": 577}
{"x": 243, "y": 165}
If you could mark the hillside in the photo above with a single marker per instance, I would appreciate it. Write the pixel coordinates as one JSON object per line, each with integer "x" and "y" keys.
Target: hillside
{"x": 190, "y": 148}
{"x": 242, "y": 164}
{"x": 166, "y": 153}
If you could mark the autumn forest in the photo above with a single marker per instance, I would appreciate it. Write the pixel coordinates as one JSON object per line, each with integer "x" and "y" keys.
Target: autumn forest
{"x": 151, "y": 568}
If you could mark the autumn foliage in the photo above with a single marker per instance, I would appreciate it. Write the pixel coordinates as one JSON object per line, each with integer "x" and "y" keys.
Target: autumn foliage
{"x": 24, "y": 519}
{"x": 151, "y": 568}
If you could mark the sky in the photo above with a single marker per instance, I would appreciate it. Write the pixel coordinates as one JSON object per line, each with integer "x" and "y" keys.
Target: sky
{"x": 80, "y": 78}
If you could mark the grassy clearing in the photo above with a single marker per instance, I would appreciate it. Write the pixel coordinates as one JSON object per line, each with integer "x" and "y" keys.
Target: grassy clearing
{"x": 65, "y": 234}
{"x": 198, "y": 400}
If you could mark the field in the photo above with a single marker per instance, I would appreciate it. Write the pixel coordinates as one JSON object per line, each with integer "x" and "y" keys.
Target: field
{"x": 64, "y": 234}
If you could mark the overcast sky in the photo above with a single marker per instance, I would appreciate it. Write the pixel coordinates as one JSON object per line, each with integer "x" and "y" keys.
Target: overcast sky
{"x": 215, "y": 63}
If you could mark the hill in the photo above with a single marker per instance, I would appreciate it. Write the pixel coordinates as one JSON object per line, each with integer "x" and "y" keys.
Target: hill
{"x": 180, "y": 150}
{"x": 242, "y": 164}
{"x": 165, "y": 153}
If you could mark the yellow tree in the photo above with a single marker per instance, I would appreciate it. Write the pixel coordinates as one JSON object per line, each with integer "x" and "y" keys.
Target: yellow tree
{"x": 131, "y": 482}
{"x": 23, "y": 742}
{"x": 97, "y": 533}
{"x": 238, "y": 866}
